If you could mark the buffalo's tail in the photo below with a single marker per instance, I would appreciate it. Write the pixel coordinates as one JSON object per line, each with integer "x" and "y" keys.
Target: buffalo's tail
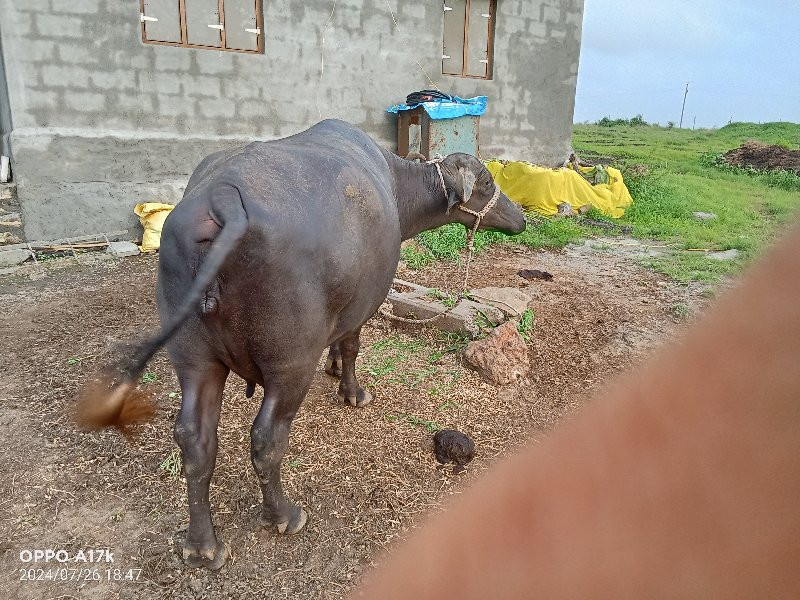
{"x": 111, "y": 398}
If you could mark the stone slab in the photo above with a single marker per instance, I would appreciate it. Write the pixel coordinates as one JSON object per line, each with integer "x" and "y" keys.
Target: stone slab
{"x": 724, "y": 255}
{"x": 123, "y": 249}
{"x": 511, "y": 301}
{"x": 10, "y": 258}
{"x": 411, "y": 285}
{"x": 459, "y": 320}
{"x": 467, "y": 311}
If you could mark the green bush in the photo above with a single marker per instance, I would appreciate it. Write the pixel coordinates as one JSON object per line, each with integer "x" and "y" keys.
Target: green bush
{"x": 637, "y": 121}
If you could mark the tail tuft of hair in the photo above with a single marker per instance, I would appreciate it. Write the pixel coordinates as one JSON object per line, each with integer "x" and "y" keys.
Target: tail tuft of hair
{"x": 104, "y": 403}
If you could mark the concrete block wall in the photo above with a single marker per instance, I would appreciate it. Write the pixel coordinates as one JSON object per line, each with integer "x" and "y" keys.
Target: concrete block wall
{"x": 102, "y": 121}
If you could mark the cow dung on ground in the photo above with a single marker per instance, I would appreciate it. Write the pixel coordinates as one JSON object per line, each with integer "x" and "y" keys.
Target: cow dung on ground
{"x": 452, "y": 446}
{"x": 764, "y": 157}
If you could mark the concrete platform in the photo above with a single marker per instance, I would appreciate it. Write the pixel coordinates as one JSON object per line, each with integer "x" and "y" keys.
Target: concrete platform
{"x": 417, "y": 302}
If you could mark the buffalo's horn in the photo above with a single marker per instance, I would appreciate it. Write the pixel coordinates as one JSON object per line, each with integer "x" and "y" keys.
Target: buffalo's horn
{"x": 415, "y": 156}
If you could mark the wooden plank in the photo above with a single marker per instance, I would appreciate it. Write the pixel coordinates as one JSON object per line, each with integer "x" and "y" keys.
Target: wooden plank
{"x": 61, "y": 241}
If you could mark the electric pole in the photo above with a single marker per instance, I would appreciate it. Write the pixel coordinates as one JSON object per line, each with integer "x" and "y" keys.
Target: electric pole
{"x": 686, "y": 93}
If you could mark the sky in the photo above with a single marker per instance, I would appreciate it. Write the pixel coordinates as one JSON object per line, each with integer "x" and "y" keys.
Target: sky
{"x": 741, "y": 59}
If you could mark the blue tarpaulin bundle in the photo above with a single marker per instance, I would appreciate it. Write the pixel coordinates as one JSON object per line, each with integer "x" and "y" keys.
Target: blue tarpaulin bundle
{"x": 447, "y": 109}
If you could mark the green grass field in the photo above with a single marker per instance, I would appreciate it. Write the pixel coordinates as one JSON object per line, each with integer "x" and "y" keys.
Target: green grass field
{"x": 682, "y": 176}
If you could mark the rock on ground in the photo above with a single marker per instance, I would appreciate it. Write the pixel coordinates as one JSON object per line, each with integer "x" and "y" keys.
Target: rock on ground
{"x": 123, "y": 249}
{"x": 9, "y": 258}
{"x": 501, "y": 357}
{"x": 731, "y": 254}
{"x": 565, "y": 210}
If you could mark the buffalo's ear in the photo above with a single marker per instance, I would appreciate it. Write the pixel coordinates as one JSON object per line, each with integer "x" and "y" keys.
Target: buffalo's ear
{"x": 452, "y": 200}
{"x": 466, "y": 179}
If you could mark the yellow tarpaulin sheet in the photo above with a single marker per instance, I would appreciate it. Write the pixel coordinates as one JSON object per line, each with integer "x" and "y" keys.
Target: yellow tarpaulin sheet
{"x": 152, "y": 215}
{"x": 541, "y": 189}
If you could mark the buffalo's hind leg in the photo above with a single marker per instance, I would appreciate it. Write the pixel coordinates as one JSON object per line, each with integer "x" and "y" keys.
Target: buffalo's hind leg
{"x": 196, "y": 434}
{"x": 349, "y": 389}
{"x": 269, "y": 439}
{"x": 333, "y": 365}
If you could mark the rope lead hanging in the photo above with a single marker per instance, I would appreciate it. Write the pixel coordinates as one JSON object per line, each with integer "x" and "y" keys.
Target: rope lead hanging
{"x": 470, "y": 247}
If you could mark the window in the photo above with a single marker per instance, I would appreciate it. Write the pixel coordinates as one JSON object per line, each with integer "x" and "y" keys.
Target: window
{"x": 468, "y": 38}
{"x": 234, "y": 25}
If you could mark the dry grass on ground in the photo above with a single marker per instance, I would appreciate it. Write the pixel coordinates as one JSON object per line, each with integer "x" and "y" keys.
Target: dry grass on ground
{"x": 367, "y": 476}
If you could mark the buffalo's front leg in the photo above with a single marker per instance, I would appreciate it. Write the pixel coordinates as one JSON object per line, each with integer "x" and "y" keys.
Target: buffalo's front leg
{"x": 269, "y": 439}
{"x": 196, "y": 434}
{"x": 333, "y": 365}
{"x": 349, "y": 390}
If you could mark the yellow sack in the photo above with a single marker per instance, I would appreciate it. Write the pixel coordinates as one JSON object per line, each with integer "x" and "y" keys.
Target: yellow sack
{"x": 541, "y": 189}
{"x": 152, "y": 216}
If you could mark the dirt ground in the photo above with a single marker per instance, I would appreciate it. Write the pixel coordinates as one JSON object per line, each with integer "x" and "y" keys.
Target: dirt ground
{"x": 764, "y": 157}
{"x": 367, "y": 476}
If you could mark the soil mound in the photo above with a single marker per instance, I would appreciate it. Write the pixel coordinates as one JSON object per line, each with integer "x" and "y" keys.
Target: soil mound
{"x": 764, "y": 157}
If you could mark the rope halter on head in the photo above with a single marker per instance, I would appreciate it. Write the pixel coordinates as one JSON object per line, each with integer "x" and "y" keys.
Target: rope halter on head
{"x": 478, "y": 215}
{"x": 470, "y": 246}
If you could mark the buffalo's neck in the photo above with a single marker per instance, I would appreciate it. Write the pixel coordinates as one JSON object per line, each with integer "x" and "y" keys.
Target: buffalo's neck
{"x": 421, "y": 202}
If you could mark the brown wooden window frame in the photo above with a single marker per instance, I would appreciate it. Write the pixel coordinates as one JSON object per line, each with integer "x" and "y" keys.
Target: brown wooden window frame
{"x": 490, "y": 40}
{"x": 184, "y": 43}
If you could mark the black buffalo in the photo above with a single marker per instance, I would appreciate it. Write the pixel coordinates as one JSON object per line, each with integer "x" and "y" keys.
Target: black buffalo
{"x": 278, "y": 250}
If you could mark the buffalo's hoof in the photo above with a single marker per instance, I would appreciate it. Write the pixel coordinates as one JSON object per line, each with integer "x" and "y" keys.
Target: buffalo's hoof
{"x": 361, "y": 398}
{"x": 210, "y": 558}
{"x": 293, "y": 525}
{"x": 333, "y": 367}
